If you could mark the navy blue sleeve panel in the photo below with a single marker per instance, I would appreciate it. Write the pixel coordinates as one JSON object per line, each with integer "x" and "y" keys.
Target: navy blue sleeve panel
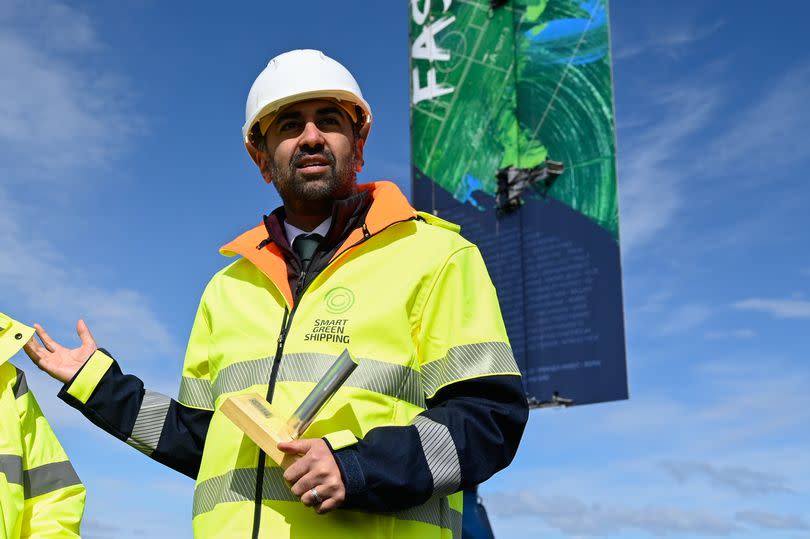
{"x": 470, "y": 431}
{"x": 385, "y": 471}
{"x": 182, "y": 438}
{"x": 160, "y": 427}
{"x": 485, "y": 417}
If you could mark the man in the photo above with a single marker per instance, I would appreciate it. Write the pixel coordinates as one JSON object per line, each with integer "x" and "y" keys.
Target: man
{"x": 436, "y": 404}
{"x": 40, "y": 494}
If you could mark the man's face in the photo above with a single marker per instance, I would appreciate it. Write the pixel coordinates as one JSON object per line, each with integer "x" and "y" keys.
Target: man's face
{"x": 312, "y": 152}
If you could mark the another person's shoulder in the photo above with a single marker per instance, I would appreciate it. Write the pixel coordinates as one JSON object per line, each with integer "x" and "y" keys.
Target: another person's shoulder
{"x": 12, "y": 379}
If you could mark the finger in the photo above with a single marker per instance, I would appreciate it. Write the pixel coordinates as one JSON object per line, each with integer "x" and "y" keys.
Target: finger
{"x": 46, "y": 339}
{"x": 84, "y": 334}
{"x": 332, "y": 498}
{"x": 295, "y": 447}
{"x": 33, "y": 349}
{"x": 326, "y": 506}
{"x": 309, "y": 500}
{"x": 303, "y": 485}
{"x": 37, "y": 354}
{"x": 297, "y": 470}
{"x": 328, "y": 489}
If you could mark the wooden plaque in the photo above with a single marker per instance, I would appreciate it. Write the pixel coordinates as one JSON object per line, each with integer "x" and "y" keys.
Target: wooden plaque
{"x": 256, "y": 418}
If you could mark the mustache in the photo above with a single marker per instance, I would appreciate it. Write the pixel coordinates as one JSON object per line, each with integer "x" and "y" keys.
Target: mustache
{"x": 299, "y": 155}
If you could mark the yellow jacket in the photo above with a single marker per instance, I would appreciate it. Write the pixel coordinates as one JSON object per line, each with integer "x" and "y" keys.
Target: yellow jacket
{"x": 435, "y": 405}
{"x": 40, "y": 494}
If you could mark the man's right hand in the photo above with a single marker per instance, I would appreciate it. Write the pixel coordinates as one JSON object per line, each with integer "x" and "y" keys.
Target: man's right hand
{"x": 55, "y": 359}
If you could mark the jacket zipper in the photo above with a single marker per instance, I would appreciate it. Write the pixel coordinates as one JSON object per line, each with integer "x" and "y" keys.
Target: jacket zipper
{"x": 286, "y": 323}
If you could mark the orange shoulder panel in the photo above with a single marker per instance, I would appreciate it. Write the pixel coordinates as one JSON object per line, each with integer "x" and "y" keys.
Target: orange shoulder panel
{"x": 269, "y": 259}
{"x": 388, "y": 206}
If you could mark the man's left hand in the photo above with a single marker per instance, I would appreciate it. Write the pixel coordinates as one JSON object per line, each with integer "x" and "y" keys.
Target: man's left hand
{"x": 316, "y": 469}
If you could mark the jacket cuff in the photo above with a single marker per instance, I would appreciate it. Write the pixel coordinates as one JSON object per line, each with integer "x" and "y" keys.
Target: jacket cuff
{"x": 83, "y": 384}
{"x": 340, "y": 439}
{"x": 353, "y": 477}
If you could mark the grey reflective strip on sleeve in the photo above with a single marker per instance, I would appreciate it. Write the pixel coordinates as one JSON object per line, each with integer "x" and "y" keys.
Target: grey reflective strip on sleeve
{"x": 20, "y": 385}
{"x": 11, "y": 467}
{"x": 468, "y": 361}
{"x": 390, "y": 379}
{"x": 240, "y": 486}
{"x": 149, "y": 424}
{"x": 440, "y": 453}
{"x": 196, "y": 393}
{"x": 48, "y": 478}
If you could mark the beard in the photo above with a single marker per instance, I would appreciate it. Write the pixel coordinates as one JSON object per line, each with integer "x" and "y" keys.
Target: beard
{"x": 335, "y": 184}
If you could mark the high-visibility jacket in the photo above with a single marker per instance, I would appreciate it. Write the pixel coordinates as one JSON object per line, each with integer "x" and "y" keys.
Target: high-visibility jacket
{"x": 435, "y": 405}
{"x": 40, "y": 494}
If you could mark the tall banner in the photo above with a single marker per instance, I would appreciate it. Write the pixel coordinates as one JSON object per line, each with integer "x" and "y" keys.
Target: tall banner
{"x": 513, "y": 138}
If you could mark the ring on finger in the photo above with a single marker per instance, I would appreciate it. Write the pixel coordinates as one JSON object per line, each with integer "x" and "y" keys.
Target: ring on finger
{"x": 315, "y": 496}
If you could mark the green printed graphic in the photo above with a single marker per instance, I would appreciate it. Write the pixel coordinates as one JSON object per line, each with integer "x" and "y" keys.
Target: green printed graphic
{"x": 339, "y": 300}
{"x": 513, "y": 86}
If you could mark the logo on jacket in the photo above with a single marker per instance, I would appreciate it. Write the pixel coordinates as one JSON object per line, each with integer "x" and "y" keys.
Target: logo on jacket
{"x": 339, "y": 300}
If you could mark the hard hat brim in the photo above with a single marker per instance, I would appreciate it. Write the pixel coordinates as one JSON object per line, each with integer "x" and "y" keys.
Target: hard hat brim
{"x": 341, "y": 95}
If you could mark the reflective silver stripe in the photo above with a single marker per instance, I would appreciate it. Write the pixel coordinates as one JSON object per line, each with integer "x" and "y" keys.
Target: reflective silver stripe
{"x": 390, "y": 379}
{"x": 381, "y": 377}
{"x": 20, "y": 387}
{"x": 242, "y": 375}
{"x": 48, "y": 478}
{"x": 468, "y": 361}
{"x": 436, "y": 511}
{"x": 441, "y": 455}
{"x": 11, "y": 467}
{"x": 240, "y": 486}
{"x": 149, "y": 423}
{"x": 196, "y": 393}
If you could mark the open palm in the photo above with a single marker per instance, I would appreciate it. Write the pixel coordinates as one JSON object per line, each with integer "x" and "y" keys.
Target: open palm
{"x": 60, "y": 362}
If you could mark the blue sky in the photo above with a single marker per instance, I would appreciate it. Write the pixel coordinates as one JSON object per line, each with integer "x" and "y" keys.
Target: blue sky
{"x": 123, "y": 171}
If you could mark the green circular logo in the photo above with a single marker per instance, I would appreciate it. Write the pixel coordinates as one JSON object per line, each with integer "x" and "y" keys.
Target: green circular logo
{"x": 339, "y": 300}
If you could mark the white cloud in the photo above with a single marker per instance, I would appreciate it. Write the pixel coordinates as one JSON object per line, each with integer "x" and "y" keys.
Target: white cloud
{"x": 780, "y": 308}
{"x": 773, "y": 131}
{"x": 655, "y": 302}
{"x": 772, "y": 521}
{"x": 752, "y": 143}
{"x": 570, "y": 515}
{"x": 757, "y": 401}
{"x": 38, "y": 278}
{"x": 60, "y": 113}
{"x": 741, "y": 333}
{"x": 57, "y": 107}
{"x": 669, "y": 41}
{"x": 739, "y": 479}
{"x": 54, "y": 26}
{"x": 651, "y": 165}
{"x": 683, "y": 318}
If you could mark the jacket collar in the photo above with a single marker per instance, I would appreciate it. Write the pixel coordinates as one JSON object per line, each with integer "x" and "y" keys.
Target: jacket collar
{"x": 388, "y": 206}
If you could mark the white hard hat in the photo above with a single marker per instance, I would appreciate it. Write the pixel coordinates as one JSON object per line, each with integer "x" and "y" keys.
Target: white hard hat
{"x": 299, "y": 75}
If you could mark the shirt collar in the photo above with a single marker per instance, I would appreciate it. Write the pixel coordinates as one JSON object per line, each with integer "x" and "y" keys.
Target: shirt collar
{"x": 293, "y": 231}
